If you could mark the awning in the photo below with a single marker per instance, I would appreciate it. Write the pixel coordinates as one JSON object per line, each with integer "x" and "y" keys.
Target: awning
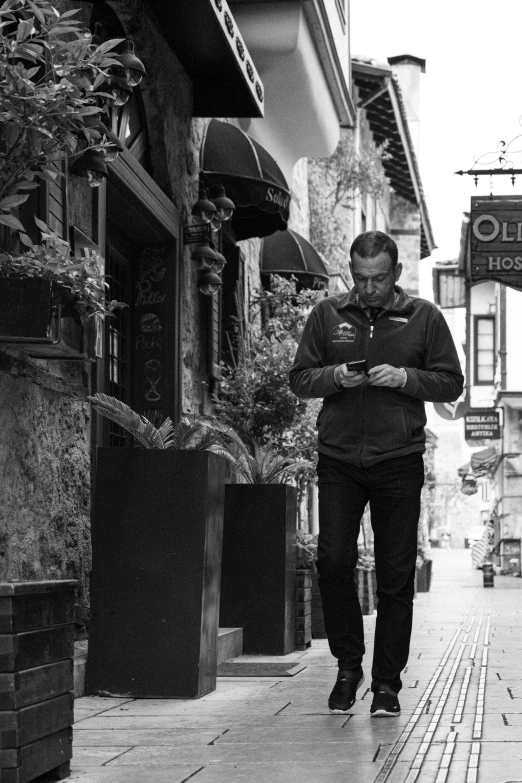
{"x": 484, "y": 462}
{"x": 251, "y": 177}
{"x": 288, "y": 253}
{"x": 206, "y": 39}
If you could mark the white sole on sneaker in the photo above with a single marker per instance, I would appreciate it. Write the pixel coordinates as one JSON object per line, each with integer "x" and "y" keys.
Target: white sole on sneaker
{"x": 384, "y": 714}
{"x": 345, "y": 712}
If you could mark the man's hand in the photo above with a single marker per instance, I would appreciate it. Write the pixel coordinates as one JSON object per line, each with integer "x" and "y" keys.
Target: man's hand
{"x": 348, "y": 378}
{"x": 386, "y": 375}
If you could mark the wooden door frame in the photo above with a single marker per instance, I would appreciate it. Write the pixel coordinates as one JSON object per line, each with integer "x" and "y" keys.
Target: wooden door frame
{"x": 138, "y": 188}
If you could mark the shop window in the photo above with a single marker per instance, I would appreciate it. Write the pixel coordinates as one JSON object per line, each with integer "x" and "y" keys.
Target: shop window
{"x": 484, "y": 349}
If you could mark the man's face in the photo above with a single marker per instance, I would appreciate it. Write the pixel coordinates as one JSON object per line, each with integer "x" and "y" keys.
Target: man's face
{"x": 374, "y": 279}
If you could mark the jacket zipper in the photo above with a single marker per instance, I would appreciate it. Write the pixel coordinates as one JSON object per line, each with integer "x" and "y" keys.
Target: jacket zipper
{"x": 363, "y": 398}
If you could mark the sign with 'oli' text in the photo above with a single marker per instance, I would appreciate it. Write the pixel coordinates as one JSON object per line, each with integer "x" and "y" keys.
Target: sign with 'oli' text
{"x": 482, "y": 423}
{"x": 496, "y": 240}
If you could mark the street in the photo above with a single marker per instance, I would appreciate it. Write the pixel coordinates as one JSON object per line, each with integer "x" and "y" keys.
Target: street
{"x": 461, "y": 719}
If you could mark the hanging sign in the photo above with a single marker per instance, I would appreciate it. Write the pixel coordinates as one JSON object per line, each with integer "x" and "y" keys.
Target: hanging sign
{"x": 496, "y": 240}
{"x": 480, "y": 423}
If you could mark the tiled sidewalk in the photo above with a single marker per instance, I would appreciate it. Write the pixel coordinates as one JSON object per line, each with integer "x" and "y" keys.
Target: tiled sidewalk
{"x": 461, "y": 718}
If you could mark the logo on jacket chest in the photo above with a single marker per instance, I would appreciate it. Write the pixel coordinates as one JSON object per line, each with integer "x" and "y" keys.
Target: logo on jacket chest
{"x": 344, "y": 333}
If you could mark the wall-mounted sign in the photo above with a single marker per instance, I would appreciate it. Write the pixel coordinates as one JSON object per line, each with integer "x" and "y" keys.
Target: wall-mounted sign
{"x": 480, "y": 423}
{"x": 496, "y": 240}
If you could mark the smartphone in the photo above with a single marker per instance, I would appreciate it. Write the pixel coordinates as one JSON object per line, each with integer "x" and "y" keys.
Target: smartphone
{"x": 361, "y": 365}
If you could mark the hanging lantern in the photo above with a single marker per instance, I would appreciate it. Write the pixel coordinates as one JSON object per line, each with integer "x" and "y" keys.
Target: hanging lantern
{"x": 225, "y": 206}
{"x": 120, "y": 91}
{"x": 219, "y": 263}
{"x": 131, "y": 69}
{"x": 204, "y": 255}
{"x": 112, "y": 151}
{"x": 204, "y": 208}
{"x": 209, "y": 283}
{"x": 92, "y": 166}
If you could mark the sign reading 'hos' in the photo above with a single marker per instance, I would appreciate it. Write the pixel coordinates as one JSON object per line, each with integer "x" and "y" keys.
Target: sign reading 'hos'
{"x": 496, "y": 240}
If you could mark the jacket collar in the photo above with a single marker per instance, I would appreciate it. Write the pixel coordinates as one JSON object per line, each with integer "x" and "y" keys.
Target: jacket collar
{"x": 402, "y": 302}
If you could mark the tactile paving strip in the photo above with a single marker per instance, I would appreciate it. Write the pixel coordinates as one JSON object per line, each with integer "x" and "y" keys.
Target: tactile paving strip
{"x": 444, "y": 766}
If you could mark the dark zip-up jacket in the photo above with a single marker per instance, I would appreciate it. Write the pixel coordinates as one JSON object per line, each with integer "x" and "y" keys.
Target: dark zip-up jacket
{"x": 368, "y": 424}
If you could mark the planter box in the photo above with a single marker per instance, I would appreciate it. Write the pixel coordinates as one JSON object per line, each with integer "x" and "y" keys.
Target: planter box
{"x": 303, "y": 609}
{"x": 258, "y": 570}
{"x": 156, "y": 540}
{"x": 32, "y": 320}
{"x": 36, "y": 679}
{"x": 423, "y": 577}
{"x": 318, "y": 629}
{"x": 366, "y": 584}
{"x": 365, "y": 590}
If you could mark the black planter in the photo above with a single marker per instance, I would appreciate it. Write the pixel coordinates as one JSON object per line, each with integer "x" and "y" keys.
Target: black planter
{"x": 33, "y": 319}
{"x": 424, "y": 577}
{"x": 156, "y": 539}
{"x": 258, "y": 569}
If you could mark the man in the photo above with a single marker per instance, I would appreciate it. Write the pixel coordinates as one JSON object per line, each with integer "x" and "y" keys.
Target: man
{"x": 371, "y": 440}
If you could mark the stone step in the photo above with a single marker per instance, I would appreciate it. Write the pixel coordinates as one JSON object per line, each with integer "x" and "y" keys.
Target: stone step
{"x": 230, "y": 645}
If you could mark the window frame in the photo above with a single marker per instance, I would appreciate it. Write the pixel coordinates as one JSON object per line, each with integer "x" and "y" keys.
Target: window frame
{"x": 477, "y": 319}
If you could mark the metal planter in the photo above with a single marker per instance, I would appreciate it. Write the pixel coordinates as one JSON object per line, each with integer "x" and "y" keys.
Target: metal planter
{"x": 259, "y": 564}
{"x": 34, "y": 319}
{"x": 156, "y": 541}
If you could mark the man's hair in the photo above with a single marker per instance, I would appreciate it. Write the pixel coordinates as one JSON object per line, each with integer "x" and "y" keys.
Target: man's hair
{"x": 371, "y": 243}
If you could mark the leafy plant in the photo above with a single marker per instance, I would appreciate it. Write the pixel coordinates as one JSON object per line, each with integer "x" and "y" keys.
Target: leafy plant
{"x": 254, "y": 395}
{"x": 366, "y": 559}
{"x": 50, "y": 75}
{"x": 306, "y": 545}
{"x": 191, "y": 432}
{"x": 81, "y": 278}
{"x": 256, "y": 463}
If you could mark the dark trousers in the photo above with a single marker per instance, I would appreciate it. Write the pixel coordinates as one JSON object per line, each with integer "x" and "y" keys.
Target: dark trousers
{"x": 393, "y": 489}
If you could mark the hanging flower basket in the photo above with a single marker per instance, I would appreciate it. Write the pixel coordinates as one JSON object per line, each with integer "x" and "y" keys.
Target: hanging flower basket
{"x": 37, "y": 318}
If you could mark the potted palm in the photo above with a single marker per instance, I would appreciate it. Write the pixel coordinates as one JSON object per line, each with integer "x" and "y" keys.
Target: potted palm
{"x": 259, "y": 547}
{"x": 156, "y": 540}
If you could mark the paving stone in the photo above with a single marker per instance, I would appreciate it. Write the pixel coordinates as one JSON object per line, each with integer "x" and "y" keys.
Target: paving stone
{"x": 95, "y": 757}
{"x": 254, "y": 752}
{"x": 145, "y": 774}
{"x": 150, "y": 737}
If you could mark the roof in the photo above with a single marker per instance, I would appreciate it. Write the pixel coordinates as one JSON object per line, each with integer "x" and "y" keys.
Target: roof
{"x": 386, "y": 115}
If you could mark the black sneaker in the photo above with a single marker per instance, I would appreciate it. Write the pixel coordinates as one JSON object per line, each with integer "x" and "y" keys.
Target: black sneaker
{"x": 385, "y": 703}
{"x": 342, "y": 697}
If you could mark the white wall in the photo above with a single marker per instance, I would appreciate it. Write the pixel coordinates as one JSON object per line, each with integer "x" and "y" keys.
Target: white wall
{"x": 514, "y": 339}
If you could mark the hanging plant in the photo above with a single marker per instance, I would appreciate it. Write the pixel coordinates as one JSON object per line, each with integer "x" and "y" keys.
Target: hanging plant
{"x": 50, "y": 75}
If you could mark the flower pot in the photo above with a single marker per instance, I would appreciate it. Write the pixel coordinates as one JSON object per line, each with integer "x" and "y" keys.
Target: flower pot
{"x": 34, "y": 319}
{"x": 258, "y": 569}
{"x": 156, "y": 541}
